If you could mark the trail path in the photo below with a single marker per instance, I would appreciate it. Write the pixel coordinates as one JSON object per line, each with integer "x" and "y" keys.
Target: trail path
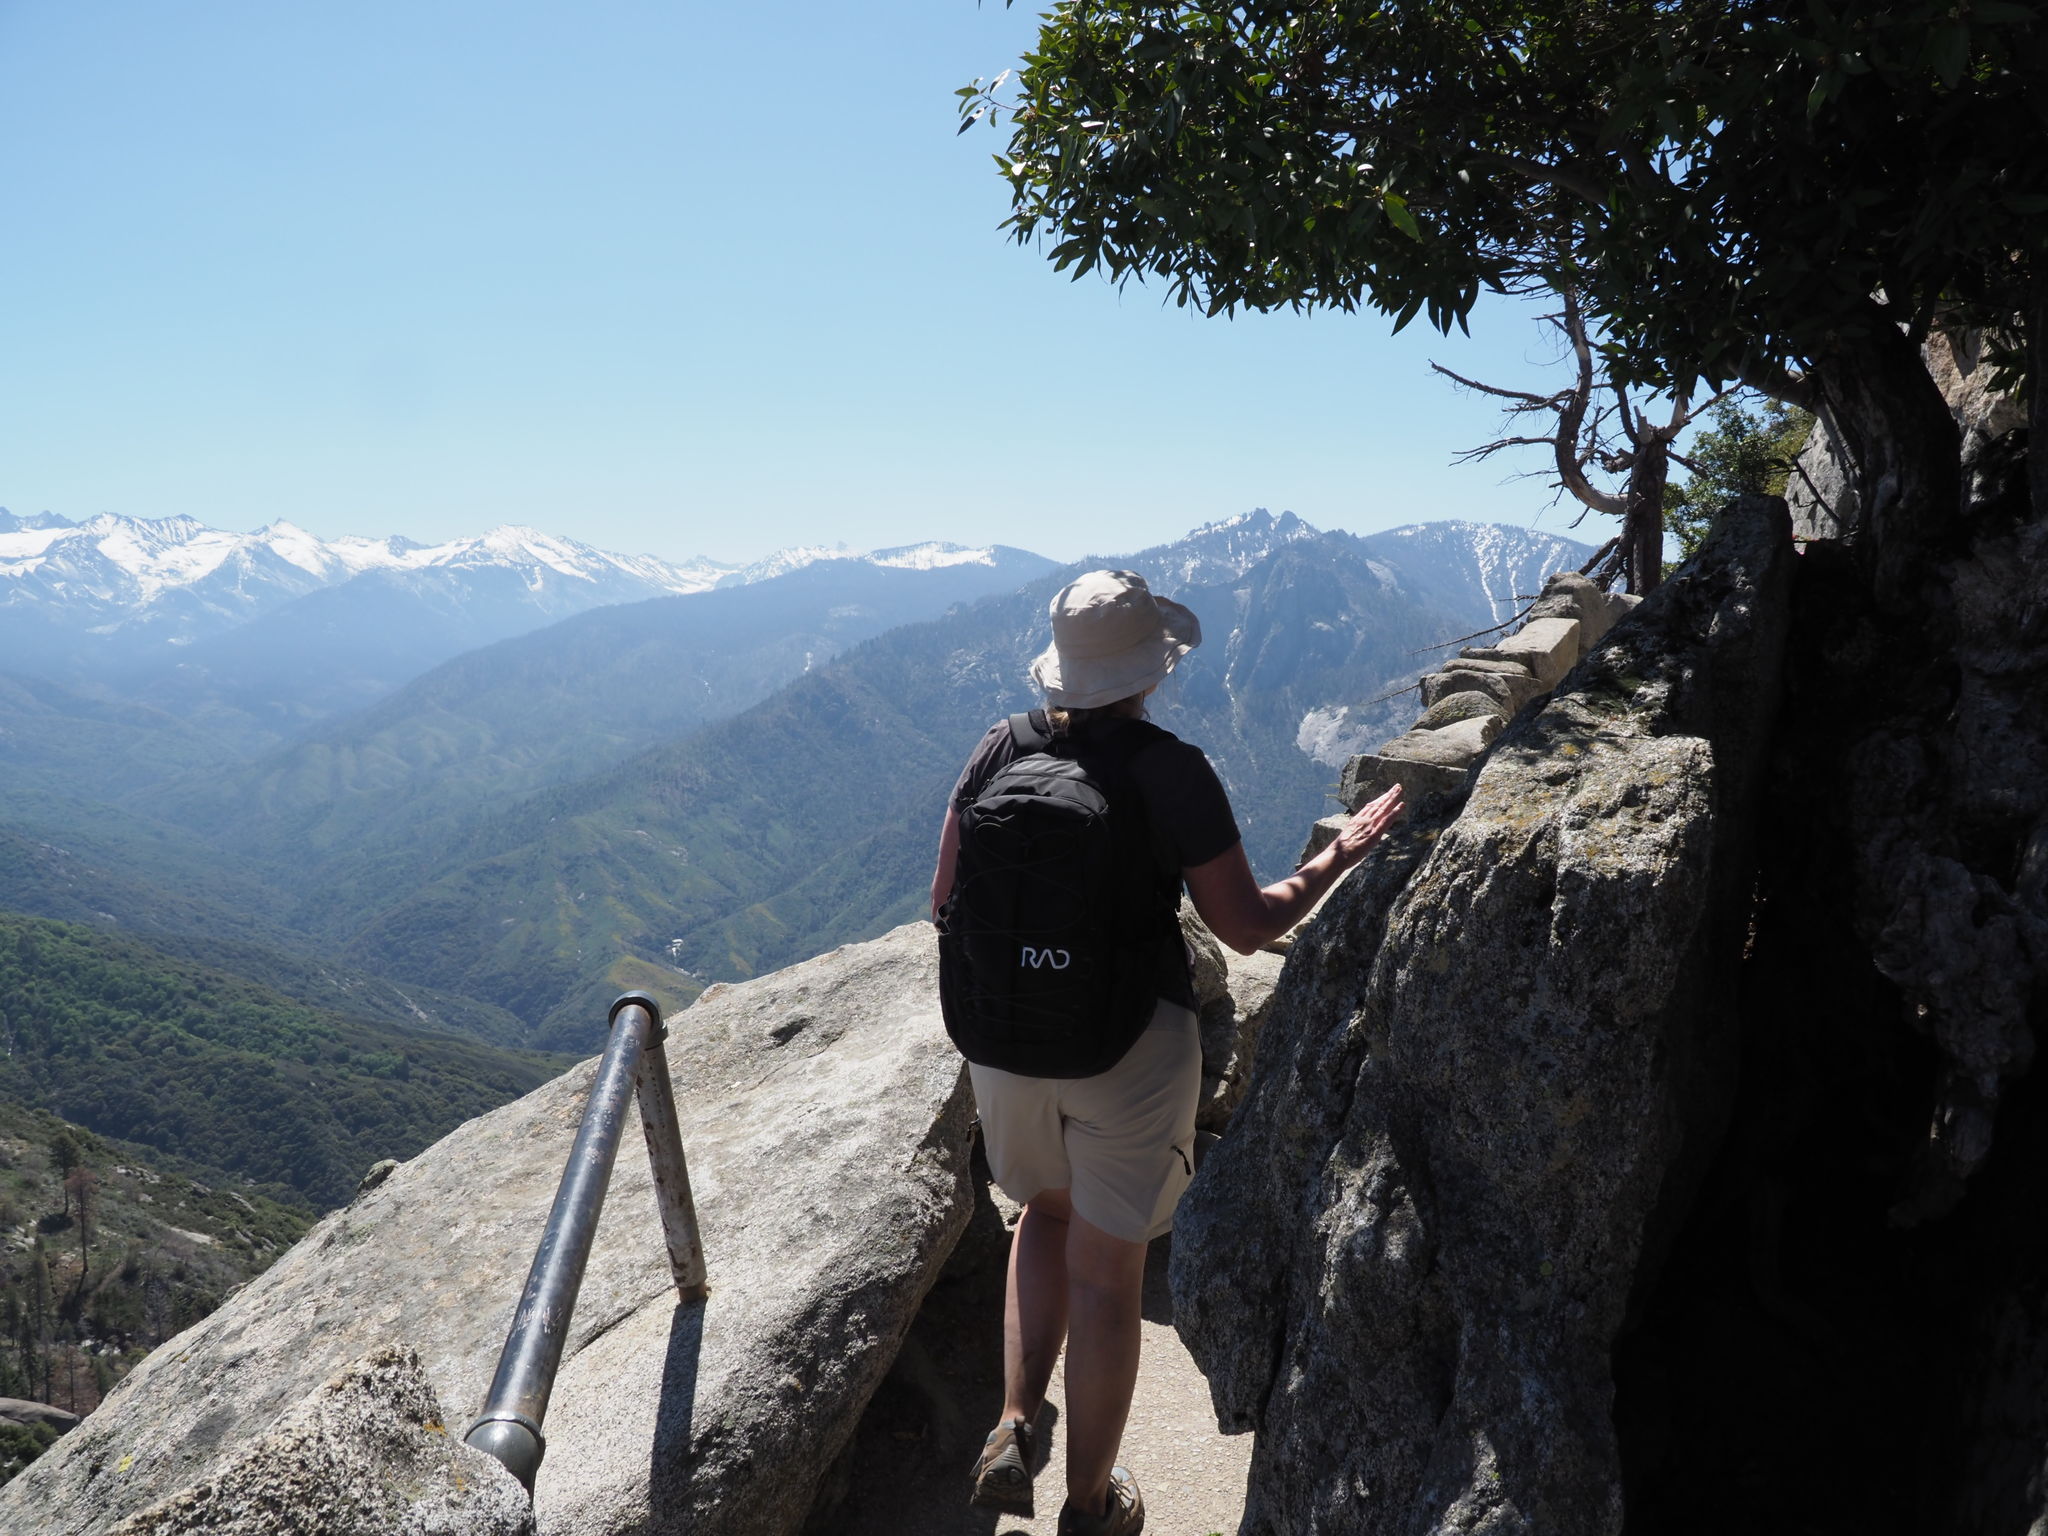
{"x": 908, "y": 1471}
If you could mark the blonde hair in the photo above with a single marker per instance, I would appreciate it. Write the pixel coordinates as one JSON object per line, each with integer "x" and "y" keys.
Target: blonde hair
{"x": 1065, "y": 722}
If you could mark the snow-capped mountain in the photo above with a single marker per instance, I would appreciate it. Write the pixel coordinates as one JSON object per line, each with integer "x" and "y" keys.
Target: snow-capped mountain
{"x": 111, "y": 572}
{"x": 113, "y": 594}
{"x": 1222, "y": 551}
{"x": 929, "y": 556}
{"x": 1477, "y": 567}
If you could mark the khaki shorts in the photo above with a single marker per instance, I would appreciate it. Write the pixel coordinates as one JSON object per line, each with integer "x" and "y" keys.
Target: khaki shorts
{"x": 1123, "y": 1141}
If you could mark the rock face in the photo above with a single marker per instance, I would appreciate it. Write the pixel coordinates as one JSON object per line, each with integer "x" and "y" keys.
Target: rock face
{"x": 368, "y": 1451}
{"x": 826, "y": 1120}
{"x": 1490, "y": 1077}
{"x": 1232, "y": 992}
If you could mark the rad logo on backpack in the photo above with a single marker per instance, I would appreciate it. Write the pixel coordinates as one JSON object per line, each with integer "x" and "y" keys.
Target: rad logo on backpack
{"x": 1050, "y": 944}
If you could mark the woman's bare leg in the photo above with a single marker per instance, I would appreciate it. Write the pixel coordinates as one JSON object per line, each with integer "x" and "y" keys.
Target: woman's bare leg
{"x": 1105, "y": 1289}
{"x": 1035, "y": 1304}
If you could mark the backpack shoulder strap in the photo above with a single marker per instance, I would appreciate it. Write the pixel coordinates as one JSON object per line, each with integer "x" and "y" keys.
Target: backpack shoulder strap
{"x": 1031, "y": 732}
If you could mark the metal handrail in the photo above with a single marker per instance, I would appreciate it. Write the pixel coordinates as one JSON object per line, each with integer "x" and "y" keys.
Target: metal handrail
{"x": 634, "y": 1062}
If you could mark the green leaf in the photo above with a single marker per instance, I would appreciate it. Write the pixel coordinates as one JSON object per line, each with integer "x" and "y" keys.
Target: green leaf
{"x": 1948, "y": 50}
{"x": 1403, "y": 220}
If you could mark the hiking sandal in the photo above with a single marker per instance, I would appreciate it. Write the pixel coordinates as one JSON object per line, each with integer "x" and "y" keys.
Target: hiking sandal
{"x": 1002, "y": 1473}
{"x": 1123, "y": 1515}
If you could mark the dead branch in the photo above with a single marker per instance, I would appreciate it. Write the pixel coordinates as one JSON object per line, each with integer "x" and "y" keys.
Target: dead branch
{"x": 1529, "y": 401}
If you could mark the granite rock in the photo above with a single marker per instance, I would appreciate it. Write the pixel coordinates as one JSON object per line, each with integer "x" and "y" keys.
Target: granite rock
{"x": 367, "y": 1452}
{"x": 1489, "y": 1079}
{"x": 1548, "y": 647}
{"x": 19, "y": 1410}
{"x": 1452, "y": 707}
{"x": 1509, "y": 682}
{"x": 827, "y": 1123}
{"x": 1372, "y": 774}
{"x": 1321, "y": 835}
{"x": 1232, "y": 992}
{"x": 1568, "y": 595}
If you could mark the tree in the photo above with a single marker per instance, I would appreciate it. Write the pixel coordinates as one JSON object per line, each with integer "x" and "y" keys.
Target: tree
{"x": 42, "y": 1320}
{"x": 1782, "y": 194}
{"x": 1593, "y": 426}
{"x": 1741, "y": 452}
{"x": 68, "y": 1155}
{"x": 81, "y": 1187}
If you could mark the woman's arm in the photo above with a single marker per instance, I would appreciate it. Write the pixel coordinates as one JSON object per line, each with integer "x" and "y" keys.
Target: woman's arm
{"x": 1237, "y": 910}
{"x": 949, "y": 853}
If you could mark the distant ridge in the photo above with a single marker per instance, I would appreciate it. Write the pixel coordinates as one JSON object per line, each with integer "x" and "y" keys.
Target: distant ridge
{"x": 182, "y": 580}
{"x": 929, "y": 556}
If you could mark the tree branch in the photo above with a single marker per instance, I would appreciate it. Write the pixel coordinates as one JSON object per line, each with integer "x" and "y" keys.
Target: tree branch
{"x": 1573, "y": 413}
{"x": 1535, "y": 402}
{"x": 1564, "y": 178}
{"x": 1488, "y": 450}
{"x": 1769, "y": 379}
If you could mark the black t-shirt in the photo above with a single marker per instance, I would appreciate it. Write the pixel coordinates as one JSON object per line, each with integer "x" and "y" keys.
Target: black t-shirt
{"x": 1184, "y": 800}
{"x": 1189, "y": 813}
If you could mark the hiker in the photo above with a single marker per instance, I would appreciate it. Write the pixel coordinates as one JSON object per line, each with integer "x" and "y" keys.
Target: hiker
{"x": 1066, "y": 985}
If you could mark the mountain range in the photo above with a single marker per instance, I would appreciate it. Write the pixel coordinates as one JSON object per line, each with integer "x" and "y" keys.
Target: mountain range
{"x": 598, "y": 806}
{"x": 277, "y": 628}
{"x": 658, "y": 793}
{"x": 134, "y": 650}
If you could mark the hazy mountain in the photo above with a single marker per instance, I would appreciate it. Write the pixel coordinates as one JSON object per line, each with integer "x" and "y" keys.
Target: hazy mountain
{"x": 909, "y": 557}
{"x": 570, "y": 699}
{"x": 86, "y": 739}
{"x": 809, "y": 820}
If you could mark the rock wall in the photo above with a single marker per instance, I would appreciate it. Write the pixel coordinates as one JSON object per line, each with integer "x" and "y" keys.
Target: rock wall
{"x": 1491, "y": 1076}
{"x": 827, "y": 1124}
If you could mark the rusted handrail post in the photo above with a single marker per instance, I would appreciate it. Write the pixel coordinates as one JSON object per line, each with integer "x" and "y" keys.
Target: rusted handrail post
{"x": 634, "y": 1059}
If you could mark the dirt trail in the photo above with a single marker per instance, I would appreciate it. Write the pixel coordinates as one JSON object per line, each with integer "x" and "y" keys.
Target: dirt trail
{"x": 907, "y": 1473}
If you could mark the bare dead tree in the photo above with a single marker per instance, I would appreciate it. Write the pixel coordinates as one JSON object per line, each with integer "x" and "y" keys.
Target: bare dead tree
{"x": 82, "y": 1186}
{"x": 1592, "y": 428}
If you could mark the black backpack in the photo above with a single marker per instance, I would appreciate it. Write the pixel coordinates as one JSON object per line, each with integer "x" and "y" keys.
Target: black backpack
{"x": 1052, "y": 942}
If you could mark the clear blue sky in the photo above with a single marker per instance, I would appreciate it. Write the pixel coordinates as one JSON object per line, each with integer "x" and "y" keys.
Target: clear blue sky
{"x": 672, "y": 277}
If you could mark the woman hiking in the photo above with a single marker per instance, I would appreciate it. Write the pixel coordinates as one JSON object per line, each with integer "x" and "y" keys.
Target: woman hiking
{"x": 1071, "y": 997}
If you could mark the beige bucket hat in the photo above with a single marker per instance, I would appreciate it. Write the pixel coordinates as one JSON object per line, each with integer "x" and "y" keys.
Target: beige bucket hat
{"x": 1111, "y": 638}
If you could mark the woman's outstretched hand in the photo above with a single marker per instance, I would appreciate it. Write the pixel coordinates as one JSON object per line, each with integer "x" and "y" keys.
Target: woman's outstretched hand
{"x": 1368, "y": 827}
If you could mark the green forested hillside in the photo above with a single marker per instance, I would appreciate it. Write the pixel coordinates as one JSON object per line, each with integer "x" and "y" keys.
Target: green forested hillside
{"x": 106, "y": 1250}
{"x": 95, "y": 865}
{"x": 132, "y": 1043}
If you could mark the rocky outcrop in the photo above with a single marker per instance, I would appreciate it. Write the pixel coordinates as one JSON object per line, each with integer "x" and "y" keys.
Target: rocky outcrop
{"x": 827, "y": 1124}
{"x": 1232, "y": 992}
{"x": 1489, "y": 1080}
{"x": 18, "y": 1410}
{"x": 368, "y": 1451}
